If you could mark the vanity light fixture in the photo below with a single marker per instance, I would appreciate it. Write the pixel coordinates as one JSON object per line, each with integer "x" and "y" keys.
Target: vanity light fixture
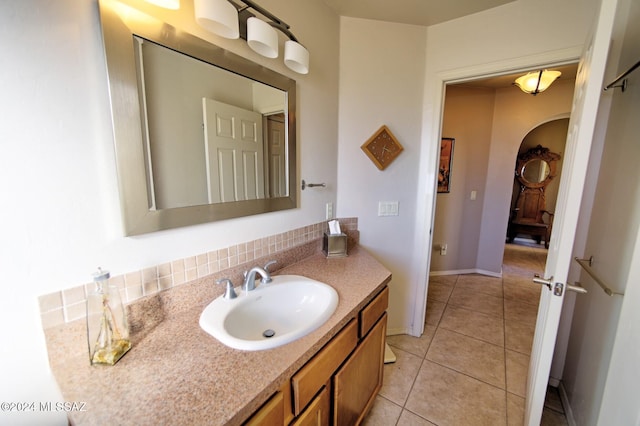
{"x": 167, "y": 4}
{"x": 537, "y": 81}
{"x": 231, "y": 20}
{"x": 217, "y": 16}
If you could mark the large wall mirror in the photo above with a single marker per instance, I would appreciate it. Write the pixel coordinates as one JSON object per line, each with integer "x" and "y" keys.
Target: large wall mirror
{"x": 201, "y": 134}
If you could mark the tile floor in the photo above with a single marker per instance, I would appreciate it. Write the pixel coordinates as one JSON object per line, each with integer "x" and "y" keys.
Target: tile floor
{"x": 470, "y": 365}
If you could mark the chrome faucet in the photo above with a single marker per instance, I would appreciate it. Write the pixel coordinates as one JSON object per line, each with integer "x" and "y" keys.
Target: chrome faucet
{"x": 250, "y": 276}
{"x": 229, "y": 293}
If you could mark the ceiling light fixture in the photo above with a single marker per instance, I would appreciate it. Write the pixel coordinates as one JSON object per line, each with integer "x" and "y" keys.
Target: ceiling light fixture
{"x": 537, "y": 81}
{"x": 231, "y": 20}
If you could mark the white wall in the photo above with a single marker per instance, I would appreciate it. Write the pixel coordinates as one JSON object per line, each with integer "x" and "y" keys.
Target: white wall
{"x": 468, "y": 117}
{"x": 379, "y": 81}
{"x": 381, "y": 74}
{"x": 61, "y": 216}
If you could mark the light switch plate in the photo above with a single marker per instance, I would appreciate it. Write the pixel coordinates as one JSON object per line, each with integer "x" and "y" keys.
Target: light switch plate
{"x": 387, "y": 208}
{"x": 329, "y": 211}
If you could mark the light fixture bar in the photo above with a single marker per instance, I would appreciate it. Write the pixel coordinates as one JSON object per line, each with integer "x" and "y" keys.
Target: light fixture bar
{"x": 234, "y": 19}
{"x": 275, "y": 21}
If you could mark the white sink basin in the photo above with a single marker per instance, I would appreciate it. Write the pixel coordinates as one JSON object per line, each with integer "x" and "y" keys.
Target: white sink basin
{"x": 289, "y": 307}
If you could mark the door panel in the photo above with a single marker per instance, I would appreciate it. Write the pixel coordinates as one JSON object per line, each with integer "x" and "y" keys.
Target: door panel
{"x": 589, "y": 83}
{"x": 234, "y": 152}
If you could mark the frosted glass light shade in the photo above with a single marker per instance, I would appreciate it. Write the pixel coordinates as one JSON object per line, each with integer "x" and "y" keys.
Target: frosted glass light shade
{"x": 296, "y": 57}
{"x": 262, "y": 37}
{"x": 529, "y": 83}
{"x": 167, "y": 4}
{"x": 218, "y": 16}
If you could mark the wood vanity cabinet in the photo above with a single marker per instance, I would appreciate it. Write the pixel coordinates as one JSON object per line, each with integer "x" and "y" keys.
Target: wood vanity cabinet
{"x": 339, "y": 384}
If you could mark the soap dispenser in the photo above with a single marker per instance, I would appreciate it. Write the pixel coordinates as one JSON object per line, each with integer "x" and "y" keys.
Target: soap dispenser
{"x": 107, "y": 328}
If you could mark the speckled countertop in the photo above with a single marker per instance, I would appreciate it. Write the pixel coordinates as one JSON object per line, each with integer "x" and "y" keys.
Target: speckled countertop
{"x": 178, "y": 374}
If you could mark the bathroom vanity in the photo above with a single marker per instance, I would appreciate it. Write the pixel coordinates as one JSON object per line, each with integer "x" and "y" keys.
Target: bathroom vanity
{"x": 176, "y": 373}
{"x": 346, "y": 374}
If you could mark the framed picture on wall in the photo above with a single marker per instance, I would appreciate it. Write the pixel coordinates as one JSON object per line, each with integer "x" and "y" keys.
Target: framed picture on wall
{"x": 444, "y": 169}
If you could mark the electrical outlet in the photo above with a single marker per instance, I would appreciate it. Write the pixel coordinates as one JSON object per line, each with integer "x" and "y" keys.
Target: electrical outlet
{"x": 329, "y": 211}
{"x": 443, "y": 250}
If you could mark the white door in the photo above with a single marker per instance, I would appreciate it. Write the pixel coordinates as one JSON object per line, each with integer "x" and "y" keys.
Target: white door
{"x": 234, "y": 152}
{"x": 589, "y": 84}
{"x": 277, "y": 150}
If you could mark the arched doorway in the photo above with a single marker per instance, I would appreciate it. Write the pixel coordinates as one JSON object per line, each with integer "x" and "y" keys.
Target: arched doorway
{"x": 549, "y": 137}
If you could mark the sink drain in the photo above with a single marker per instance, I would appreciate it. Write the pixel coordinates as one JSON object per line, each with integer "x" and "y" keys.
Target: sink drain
{"x": 268, "y": 333}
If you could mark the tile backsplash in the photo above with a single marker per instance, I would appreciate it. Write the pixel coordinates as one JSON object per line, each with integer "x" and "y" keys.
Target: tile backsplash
{"x": 70, "y": 304}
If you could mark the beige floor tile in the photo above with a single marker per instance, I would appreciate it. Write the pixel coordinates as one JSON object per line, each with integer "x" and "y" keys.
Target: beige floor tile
{"x": 515, "y": 310}
{"x": 515, "y": 413}
{"x": 446, "y": 397}
{"x": 414, "y": 345}
{"x": 517, "y": 369}
{"x": 398, "y": 377}
{"x": 477, "y": 302}
{"x": 519, "y": 336}
{"x": 474, "y": 324}
{"x": 434, "y": 312}
{"x": 481, "y": 360}
{"x": 522, "y": 260}
{"x": 522, "y": 289}
{"x": 477, "y": 359}
{"x": 439, "y": 292}
{"x": 383, "y": 413}
{"x": 407, "y": 418}
{"x": 481, "y": 284}
{"x": 449, "y": 280}
{"x": 515, "y": 410}
{"x": 553, "y": 418}
{"x": 552, "y": 400}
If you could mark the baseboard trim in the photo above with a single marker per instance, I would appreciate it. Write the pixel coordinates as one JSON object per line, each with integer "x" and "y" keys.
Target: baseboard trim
{"x": 396, "y": 331}
{"x": 466, "y": 271}
{"x": 571, "y": 421}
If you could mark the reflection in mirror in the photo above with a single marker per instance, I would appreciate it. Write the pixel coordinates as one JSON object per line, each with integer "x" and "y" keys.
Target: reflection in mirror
{"x": 200, "y": 134}
{"x": 535, "y": 171}
{"x": 211, "y": 135}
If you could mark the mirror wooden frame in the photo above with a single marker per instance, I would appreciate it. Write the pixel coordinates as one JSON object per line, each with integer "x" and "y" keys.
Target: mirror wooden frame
{"x": 118, "y": 28}
{"x": 537, "y": 153}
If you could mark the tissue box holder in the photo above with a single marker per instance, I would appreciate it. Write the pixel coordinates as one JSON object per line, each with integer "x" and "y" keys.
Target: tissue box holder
{"x": 334, "y": 245}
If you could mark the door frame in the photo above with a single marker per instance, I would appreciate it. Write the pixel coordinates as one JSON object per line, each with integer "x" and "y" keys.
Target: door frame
{"x": 426, "y": 206}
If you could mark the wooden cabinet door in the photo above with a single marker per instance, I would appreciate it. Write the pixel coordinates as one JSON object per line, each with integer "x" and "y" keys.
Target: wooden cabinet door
{"x": 358, "y": 381}
{"x": 271, "y": 413}
{"x": 317, "y": 413}
{"x": 309, "y": 379}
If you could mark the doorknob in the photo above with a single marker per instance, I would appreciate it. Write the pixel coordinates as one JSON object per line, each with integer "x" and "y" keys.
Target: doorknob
{"x": 543, "y": 281}
{"x": 558, "y": 288}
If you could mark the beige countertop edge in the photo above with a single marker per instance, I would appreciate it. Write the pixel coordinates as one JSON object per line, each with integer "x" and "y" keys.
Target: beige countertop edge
{"x": 162, "y": 380}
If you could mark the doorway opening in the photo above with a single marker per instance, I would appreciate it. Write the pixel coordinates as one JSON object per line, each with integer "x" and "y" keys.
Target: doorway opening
{"x": 491, "y": 126}
{"x": 491, "y": 121}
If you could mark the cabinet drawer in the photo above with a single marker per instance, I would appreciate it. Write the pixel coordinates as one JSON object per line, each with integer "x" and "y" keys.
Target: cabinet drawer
{"x": 309, "y": 379}
{"x": 370, "y": 314}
